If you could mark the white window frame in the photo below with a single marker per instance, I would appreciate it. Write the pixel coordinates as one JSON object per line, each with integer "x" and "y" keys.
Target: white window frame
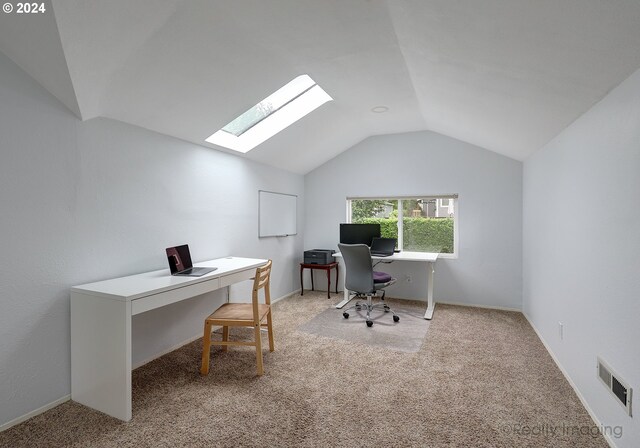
{"x": 456, "y": 217}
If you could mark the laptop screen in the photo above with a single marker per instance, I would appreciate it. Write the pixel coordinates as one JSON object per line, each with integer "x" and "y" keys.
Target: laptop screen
{"x": 383, "y": 245}
{"x": 179, "y": 258}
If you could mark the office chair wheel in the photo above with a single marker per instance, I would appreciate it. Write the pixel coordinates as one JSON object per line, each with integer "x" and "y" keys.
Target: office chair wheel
{"x": 345, "y": 315}
{"x": 386, "y": 309}
{"x": 396, "y": 318}
{"x": 369, "y": 323}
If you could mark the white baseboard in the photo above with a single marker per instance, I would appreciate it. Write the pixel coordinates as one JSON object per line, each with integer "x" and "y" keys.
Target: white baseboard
{"x": 422, "y": 299}
{"x": 33, "y": 413}
{"x": 297, "y": 291}
{"x": 168, "y": 350}
{"x": 490, "y": 307}
{"x": 595, "y": 419}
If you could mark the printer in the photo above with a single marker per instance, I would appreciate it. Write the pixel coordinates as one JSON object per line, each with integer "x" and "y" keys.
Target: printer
{"x": 319, "y": 256}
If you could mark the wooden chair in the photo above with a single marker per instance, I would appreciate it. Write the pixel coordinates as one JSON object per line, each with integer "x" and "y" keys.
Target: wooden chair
{"x": 251, "y": 314}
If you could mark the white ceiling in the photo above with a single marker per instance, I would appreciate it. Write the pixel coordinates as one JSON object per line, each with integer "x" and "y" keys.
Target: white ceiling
{"x": 506, "y": 75}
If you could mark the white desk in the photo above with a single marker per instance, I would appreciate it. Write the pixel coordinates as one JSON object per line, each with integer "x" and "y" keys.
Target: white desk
{"x": 424, "y": 257}
{"x": 101, "y": 326}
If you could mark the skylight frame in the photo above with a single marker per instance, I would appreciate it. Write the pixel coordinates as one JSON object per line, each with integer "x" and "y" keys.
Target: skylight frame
{"x": 306, "y": 97}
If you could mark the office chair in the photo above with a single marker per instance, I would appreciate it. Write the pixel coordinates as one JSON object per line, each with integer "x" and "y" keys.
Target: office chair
{"x": 254, "y": 314}
{"x": 363, "y": 281}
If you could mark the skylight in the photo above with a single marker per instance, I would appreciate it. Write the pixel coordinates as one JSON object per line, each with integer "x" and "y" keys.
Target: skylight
{"x": 271, "y": 115}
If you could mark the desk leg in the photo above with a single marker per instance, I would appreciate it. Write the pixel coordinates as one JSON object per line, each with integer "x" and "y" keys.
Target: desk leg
{"x": 346, "y": 298}
{"x": 430, "y": 305}
{"x": 344, "y": 301}
{"x": 101, "y": 354}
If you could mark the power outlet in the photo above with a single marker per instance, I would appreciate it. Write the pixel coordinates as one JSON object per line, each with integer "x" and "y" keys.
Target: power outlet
{"x": 561, "y": 330}
{"x": 408, "y": 278}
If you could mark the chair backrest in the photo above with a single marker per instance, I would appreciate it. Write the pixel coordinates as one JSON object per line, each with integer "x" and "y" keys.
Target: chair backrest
{"x": 261, "y": 280}
{"x": 357, "y": 260}
{"x": 263, "y": 275}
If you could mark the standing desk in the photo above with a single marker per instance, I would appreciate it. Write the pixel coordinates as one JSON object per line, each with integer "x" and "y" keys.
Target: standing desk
{"x": 101, "y": 315}
{"x": 428, "y": 258}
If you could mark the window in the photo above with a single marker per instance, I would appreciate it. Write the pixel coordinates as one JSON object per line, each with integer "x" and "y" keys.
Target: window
{"x": 421, "y": 224}
{"x": 271, "y": 115}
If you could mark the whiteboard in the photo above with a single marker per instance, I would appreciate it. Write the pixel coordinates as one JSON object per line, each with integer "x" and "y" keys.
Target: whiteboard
{"x": 277, "y": 214}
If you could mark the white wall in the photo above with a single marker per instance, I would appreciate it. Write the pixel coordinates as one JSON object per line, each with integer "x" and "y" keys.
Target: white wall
{"x": 489, "y": 268}
{"x": 582, "y": 263}
{"x": 85, "y": 201}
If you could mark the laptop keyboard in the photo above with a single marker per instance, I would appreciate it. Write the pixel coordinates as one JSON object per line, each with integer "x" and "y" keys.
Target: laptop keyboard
{"x": 378, "y": 254}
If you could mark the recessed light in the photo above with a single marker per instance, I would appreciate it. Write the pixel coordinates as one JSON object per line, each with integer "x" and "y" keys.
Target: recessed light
{"x": 379, "y": 109}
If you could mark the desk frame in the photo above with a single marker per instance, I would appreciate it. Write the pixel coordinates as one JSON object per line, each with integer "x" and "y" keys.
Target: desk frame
{"x": 101, "y": 315}
{"x": 424, "y": 257}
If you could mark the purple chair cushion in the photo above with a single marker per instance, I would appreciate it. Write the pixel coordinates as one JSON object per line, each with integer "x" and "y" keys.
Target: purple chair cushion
{"x": 381, "y": 277}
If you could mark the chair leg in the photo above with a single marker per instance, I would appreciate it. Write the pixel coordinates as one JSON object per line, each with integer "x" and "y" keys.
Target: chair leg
{"x": 258, "y": 349}
{"x": 206, "y": 348}
{"x": 225, "y": 337}
{"x": 272, "y": 346}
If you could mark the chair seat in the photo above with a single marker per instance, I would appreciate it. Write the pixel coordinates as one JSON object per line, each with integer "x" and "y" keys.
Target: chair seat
{"x": 238, "y": 312}
{"x": 381, "y": 277}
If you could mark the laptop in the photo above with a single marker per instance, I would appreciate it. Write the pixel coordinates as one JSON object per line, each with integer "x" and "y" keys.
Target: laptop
{"x": 383, "y": 247}
{"x": 180, "y": 262}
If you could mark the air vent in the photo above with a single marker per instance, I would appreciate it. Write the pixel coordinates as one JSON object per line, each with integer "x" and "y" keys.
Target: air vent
{"x": 618, "y": 388}
{"x": 605, "y": 375}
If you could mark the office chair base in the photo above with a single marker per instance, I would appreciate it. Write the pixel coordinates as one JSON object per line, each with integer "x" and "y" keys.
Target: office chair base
{"x": 369, "y": 306}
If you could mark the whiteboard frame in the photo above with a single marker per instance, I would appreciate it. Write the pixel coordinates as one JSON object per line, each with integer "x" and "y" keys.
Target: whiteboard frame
{"x": 260, "y": 211}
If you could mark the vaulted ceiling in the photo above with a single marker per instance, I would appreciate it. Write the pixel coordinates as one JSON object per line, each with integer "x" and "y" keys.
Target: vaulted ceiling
{"x": 506, "y": 75}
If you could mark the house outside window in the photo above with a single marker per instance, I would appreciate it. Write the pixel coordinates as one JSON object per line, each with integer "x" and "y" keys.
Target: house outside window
{"x": 420, "y": 223}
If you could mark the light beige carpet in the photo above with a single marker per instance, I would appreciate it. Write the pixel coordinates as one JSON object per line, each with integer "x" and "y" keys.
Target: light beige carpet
{"x": 481, "y": 379}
